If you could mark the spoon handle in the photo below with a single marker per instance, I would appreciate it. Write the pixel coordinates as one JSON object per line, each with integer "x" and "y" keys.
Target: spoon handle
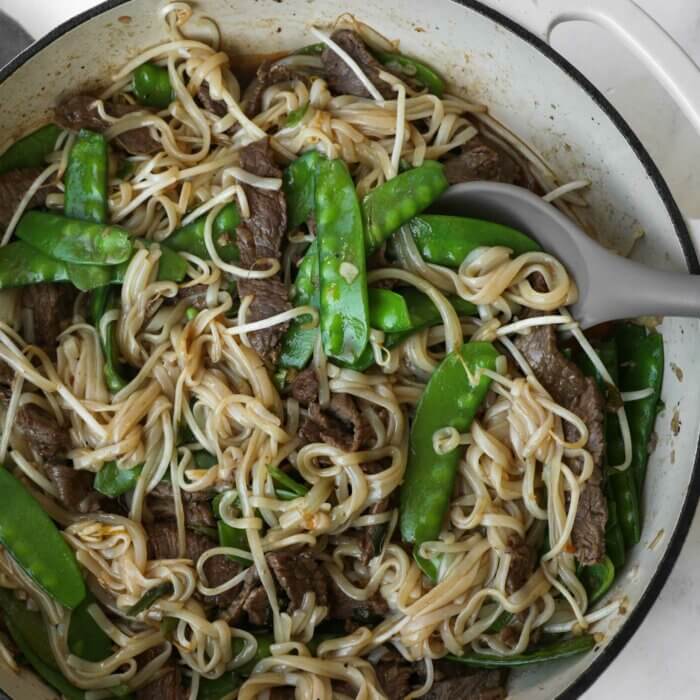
{"x": 629, "y": 289}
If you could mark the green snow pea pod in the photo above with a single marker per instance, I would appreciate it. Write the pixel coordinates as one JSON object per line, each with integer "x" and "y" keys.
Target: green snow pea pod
{"x": 39, "y": 550}
{"x": 86, "y": 638}
{"x": 217, "y": 688}
{"x": 149, "y": 598}
{"x": 310, "y": 50}
{"x": 412, "y": 68}
{"x": 265, "y": 641}
{"x": 31, "y": 150}
{"x": 30, "y": 622}
{"x": 86, "y": 179}
{"x": 341, "y": 256}
{"x": 114, "y": 482}
{"x": 641, "y": 367}
{"x": 20, "y": 265}
{"x": 152, "y": 86}
{"x": 296, "y": 115}
{"x": 287, "y": 483}
{"x": 549, "y": 652}
{"x": 190, "y": 238}
{"x": 233, "y": 537}
{"x": 386, "y": 208}
{"x": 299, "y": 184}
{"x": 597, "y": 579}
{"x": 72, "y": 240}
{"x": 451, "y": 399}
{"x": 447, "y": 240}
{"x": 388, "y": 311}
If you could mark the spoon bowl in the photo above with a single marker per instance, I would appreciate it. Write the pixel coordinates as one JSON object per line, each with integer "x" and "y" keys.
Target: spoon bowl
{"x": 609, "y": 286}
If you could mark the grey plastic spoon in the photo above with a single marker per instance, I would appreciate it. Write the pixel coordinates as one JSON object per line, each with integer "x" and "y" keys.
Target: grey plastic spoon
{"x": 610, "y": 287}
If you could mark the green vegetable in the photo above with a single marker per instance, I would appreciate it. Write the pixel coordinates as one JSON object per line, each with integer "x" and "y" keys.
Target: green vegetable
{"x": 502, "y": 621}
{"x": 310, "y": 50}
{"x": 388, "y": 311}
{"x": 204, "y": 460}
{"x": 597, "y": 579}
{"x": 172, "y": 267}
{"x": 113, "y": 370}
{"x": 557, "y": 650}
{"x": 39, "y": 549}
{"x": 412, "y": 68}
{"x": 86, "y": 638}
{"x": 451, "y": 398}
{"x": 217, "y": 688}
{"x": 149, "y": 598}
{"x": 72, "y": 240}
{"x": 296, "y": 115}
{"x": 341, "y": 255}
{"x": 152, "y": 86}
{"x": 191, "y": 313}
{"x": 113, "y": 481}
{"x": 299, "y": 186}
{"x": 86, "y": 179}
{"x": 190, "y": 238}
{"x": 30, "y": 622}
{"x": 233, "y": 537}
{"x": 386, "y": 208}
{"x": 31, "y": 150}
{"x": 20, "y": 265}
{"x": 287, "y": 483}
{"x": 614, "y": 539}
{"x": 641, "y": 367}
{"x": 265, "y": 641}
{"x": 447, "y": 240}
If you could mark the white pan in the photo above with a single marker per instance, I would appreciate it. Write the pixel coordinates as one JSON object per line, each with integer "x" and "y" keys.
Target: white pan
{"x": 543, "y": 99}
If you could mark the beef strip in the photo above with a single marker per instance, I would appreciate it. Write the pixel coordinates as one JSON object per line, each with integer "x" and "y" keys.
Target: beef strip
{"x": 259, "y": 158}
{"x": 51, "y": 304}
{"x": 282, "y": 693}
{"x": 394, "y": 678}
{"x": 238, "y": 605}
{"x": 298, "y": 573}
{"x": 485, "y": 160}
{"x": 373, "y": 536}
{"x": 340, "y": 77}
{"x": 196, "y": 505}
{"x": 341, "y": 424}
{"x": 257, "y": 607}
{"x": 269, "y": 298}
{"x": 268, "y": 74}
{"x": 305, "y": 387}
{"x": 470, "y": 685}
{"x": 522, "y": 563}
{"x": 77, "y": 112}
{"x": 168, "y": 684}
{"x": 14, "y": 185}
{"x": 217, "y": 107}
{"x": 219, "y": 570}
{"x": 580, "y": 394}
{"x": 162, "y": 541}
{"x": 74, "y": 488}
{"x": 196, "y": 296}
{"x": 343, "y": 607}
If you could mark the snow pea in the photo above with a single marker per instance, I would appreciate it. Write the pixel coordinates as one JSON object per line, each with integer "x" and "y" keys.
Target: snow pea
{"x": 204, "y": 460}
{"x": 31, "y": 150}
{"x": 597, "y": 579}
{"x": 151, "y": 85}
{"x": 86, "y": 638}
{"x": 190, "y": 238}
{"x": 388, "y": 311}
{"x": 451, "y": 398}
{"x": 86, "y": 179}
{"x": 342, "y": 264}
{"x": 641, "y": 367}
{"x": 30, "y": 622}
{"x": 403, "y": 66}
{"x": 114, "y": 482}
{"x": 72, "y": 240}
{"x": 113, "y": 370}
{"x": 265, "y": 641}
{"x": 556, "y": 650}
{"x": 299, "y": 184}
{"x": 20, "y": 264}
{"x": 217, "y": 688}
{"x": 296, "y": 115}
{"x": 233, "y": 537}
{"x": 287, "y": 483}
{"x": 149, "y": 598}
{"x": 387, "y": 207}
{"x": 39, "y": 549}
{"x": 447, "y": 240}
{"x": 310, "y": 50}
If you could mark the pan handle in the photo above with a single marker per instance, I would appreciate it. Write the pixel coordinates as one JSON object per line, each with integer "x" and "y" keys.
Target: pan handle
{"x": 642, "y": 35}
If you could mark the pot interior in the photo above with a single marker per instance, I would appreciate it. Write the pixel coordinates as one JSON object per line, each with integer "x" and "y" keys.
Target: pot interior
{"x": 537, "y": 99}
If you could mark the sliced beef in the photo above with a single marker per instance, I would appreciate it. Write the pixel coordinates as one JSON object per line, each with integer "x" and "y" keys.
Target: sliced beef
{"x": 340, "y": 77}
{"x": 259, "y": 158}
{"x": 257, "y": 607}
{"x": 298, "y": 573}
{"x": 167, "y": 685}
{"x": 14, "y": 185}
{"x": 394, "y": 678}
{"x": 485, "y": 160}
{"x": 219, "y": 570}
{"x": 285, "y": 692}
{"x": 580, "y": 394}
{"x": 268, "y": 74}
{"x": 470, "y": 685}
{"x": 522, "y": 563}
{"x": 373, "y": 536}
{"x": 238, "y": 605}
{"x": 196, "y": 505}
{"x": 196, "y": 296}
{"x": 269, "y": 298}
{"x": 51, "y": 304}
{"x": 162, "y": 541}
{"x": 343, "y": 607}
{"x": 77, "y": 113}
{"x": 305, "y": 386}
{"x": 74, "y": 488}
{"x": 217, "y": 107}
{"x": 341, "y": 424}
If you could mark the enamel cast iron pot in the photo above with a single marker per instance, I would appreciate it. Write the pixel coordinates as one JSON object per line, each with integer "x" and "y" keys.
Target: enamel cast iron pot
{"x": 500, "y": 54}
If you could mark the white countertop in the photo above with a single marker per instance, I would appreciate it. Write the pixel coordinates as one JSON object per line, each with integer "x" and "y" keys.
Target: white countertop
{"x": 663, "y": 658}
